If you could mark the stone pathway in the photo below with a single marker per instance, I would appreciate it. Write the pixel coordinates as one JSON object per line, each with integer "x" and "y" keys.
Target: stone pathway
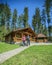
{"x": 6, "y": 55}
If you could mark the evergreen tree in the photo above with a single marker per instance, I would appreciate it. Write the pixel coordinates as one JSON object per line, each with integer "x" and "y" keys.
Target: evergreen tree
{"x": 25, "y": 17}
{"x": 14, "y": 19}
{"x": 7, "y": 12}
{"x": 48, "y": 5}
{"x": 4, "y": 18}
{"x": 2, "y": 15}
{"x": 38, "y": 20}
{"x": 20, "y": 21}
{"x": 34, "y": 23}
{"x": 44, "y": 28}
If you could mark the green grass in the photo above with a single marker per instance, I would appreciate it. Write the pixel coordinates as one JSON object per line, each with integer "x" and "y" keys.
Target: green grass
{"x": 35, "y": 55}
{"x": 6, "y": 47}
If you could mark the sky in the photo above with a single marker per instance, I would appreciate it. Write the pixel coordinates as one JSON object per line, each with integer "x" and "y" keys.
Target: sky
{"x": 21, "y": 4}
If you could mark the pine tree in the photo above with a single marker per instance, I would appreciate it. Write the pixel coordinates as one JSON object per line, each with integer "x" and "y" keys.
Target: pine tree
{"x": 38, "y": 20}
{"x": 20, "y": 21}
{"x": 14, "y": 19}
{"x": 7, "y": 12}
{"x": 25, "y": 17}
{"x": 34, "y": 23}
{"x": 48, "y": 5}
{"x": 43, "y": 20}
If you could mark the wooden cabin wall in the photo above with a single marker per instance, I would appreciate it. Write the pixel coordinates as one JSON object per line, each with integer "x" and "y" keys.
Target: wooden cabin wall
{"x": 7, "y": 38}
{"x": 17, "y": 39}
{"x": 45, "y": 40}
{"x": 41, "y": 40}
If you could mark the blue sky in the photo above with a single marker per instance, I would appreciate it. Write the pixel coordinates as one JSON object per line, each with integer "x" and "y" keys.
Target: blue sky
{"x": 21, "y": 4}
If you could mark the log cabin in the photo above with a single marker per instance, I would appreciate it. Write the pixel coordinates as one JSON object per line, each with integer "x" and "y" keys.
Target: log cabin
{"x": 16, "y": 35}
{"x": 41, "y": 38}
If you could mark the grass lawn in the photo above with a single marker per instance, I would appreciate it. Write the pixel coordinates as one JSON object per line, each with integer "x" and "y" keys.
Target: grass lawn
{"x": 35, "y": 55}
{"x": 6, "y": 47}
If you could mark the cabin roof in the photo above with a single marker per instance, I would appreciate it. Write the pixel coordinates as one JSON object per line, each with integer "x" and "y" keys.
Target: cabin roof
{"x": 20, "y": 30}
{"x": 41, "y": 35}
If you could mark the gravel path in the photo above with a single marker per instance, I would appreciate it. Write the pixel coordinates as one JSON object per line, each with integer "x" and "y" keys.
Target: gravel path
{"x": 6, "y": 55}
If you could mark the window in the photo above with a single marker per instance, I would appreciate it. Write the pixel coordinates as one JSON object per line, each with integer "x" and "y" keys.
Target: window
{"x": 18, "y": 35}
